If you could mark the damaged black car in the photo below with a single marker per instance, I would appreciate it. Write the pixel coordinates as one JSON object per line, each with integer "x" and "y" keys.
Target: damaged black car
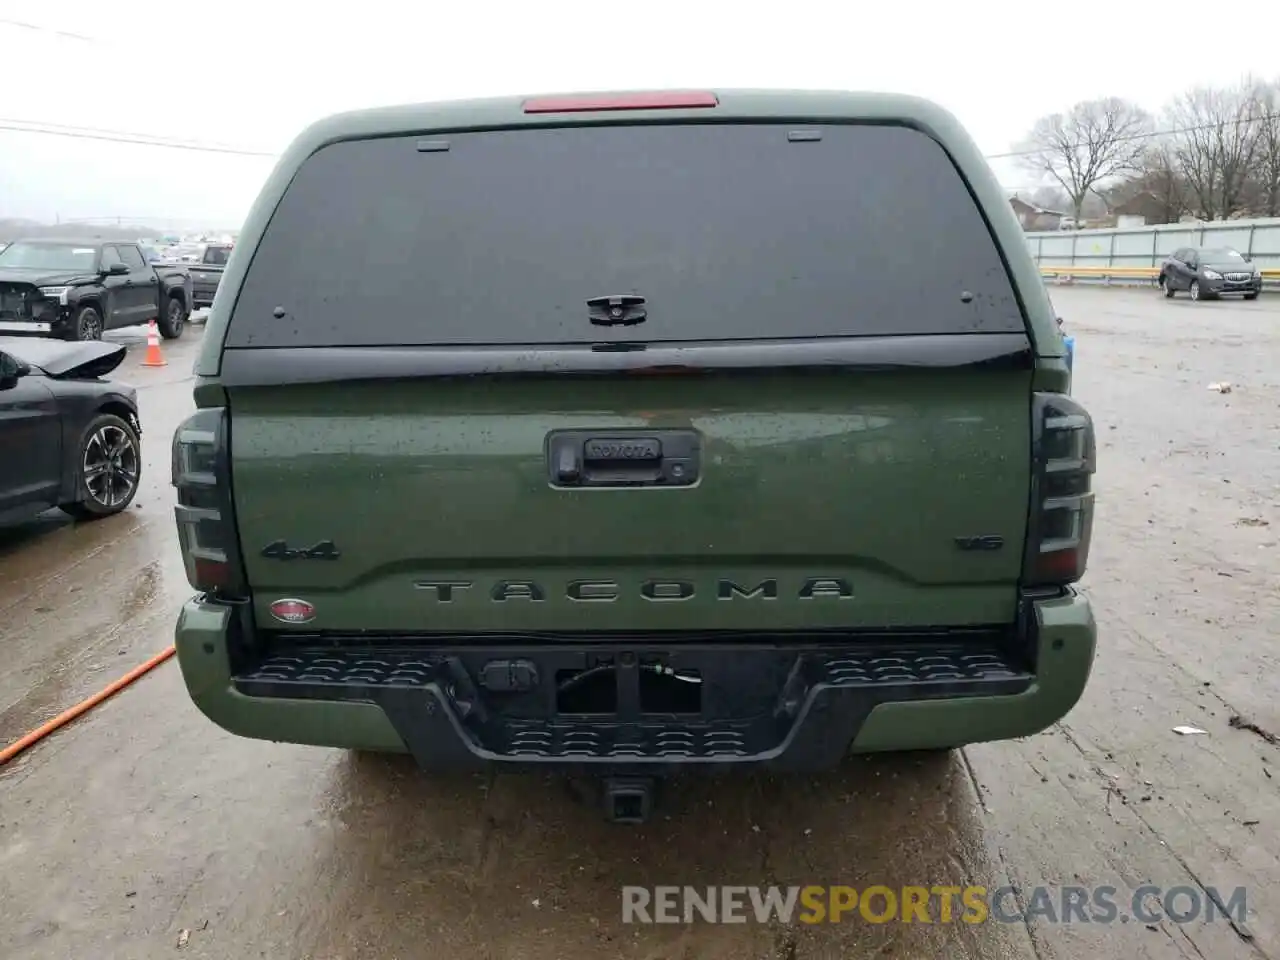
{"x": 69, "y": 437}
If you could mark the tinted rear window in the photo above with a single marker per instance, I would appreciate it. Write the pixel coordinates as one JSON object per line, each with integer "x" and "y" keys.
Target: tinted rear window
{"x": 728, "y": 232}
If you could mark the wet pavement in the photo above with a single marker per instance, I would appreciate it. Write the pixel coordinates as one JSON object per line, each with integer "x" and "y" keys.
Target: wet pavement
{"x": 144, "y": 831}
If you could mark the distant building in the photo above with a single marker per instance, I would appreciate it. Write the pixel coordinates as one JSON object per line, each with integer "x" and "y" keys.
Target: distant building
{"x": 1033, "y": 217}
{"x": 1146, "y": 207}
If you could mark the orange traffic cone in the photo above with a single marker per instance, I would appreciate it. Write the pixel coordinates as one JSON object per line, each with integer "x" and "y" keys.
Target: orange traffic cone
{"x": 153, "y": 358}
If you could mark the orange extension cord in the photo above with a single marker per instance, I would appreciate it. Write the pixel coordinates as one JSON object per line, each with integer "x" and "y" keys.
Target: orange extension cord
{"x": 62, "y": 719}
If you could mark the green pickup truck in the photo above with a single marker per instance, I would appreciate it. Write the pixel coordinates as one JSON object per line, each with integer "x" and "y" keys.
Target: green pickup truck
{"x": 628, "y": 434}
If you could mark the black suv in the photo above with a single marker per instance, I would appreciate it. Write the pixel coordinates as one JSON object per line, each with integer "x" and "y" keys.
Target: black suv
{"x": 1207, "y": 273}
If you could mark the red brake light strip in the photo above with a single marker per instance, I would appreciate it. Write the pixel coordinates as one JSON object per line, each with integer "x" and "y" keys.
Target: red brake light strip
{"x": 657, "y": 100}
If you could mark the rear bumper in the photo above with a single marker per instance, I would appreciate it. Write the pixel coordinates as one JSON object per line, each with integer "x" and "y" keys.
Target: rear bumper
{"x": 816, "y": 705}
{"x": 202, "y": 292}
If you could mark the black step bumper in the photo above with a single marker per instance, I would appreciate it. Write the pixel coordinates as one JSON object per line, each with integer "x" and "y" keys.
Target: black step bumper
{"x": 781, "y": 706}
{"x": 776, "y": 707}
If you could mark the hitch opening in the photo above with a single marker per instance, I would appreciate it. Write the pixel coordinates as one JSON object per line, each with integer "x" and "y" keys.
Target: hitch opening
{"x": 628, "y": 800}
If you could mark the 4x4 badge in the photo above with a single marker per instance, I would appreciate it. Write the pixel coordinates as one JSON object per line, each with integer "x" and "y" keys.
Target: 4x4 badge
{"x": 987, "y": 541}
{"x": 279, "y": 550}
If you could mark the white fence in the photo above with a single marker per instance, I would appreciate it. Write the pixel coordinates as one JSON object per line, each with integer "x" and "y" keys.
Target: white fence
{"x": 1148, "y": 246}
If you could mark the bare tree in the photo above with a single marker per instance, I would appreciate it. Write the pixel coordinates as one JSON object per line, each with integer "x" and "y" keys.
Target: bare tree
{"x": 1050, "y": 197}
{"x": 1157, "y": 189}
{"x": 1266, "y": 167}
{"x": 1164, "y": 180}
{"x": 1093, "y": 142}
{"x": 1215, "y": 139}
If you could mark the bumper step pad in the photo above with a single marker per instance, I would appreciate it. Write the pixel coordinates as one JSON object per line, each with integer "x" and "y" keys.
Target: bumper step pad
{"x": 781, "y": 707}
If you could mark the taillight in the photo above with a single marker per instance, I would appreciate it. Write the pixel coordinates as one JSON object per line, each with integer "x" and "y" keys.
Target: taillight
{"x": 206, "y": 526}
{"x": 1061, "y": 521}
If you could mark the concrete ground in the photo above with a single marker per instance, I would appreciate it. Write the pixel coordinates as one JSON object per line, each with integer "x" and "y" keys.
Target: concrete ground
{"x": 143, "y": 830}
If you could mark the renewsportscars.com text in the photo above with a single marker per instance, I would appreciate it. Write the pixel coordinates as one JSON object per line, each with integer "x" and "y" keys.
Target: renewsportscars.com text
{"x": 1148, "y": 904}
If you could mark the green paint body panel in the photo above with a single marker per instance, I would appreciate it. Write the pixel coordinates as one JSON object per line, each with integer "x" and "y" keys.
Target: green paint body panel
{"x": 1065, "y": 655}
{"x": 203, "y": 653}
{"x": 867, "y": 479}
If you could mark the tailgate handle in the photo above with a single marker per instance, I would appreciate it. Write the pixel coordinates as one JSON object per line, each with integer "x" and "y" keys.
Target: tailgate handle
{"x": 567, "y": 465}
{"x": 593, "y": 458}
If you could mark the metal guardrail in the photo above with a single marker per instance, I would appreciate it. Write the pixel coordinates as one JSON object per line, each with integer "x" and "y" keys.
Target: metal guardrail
{"x": 1148, "y": 246}
{"x": 1126, "y": 275}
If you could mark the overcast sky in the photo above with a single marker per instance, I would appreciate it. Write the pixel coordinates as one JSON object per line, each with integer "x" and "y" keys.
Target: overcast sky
{"x": 251, "y": 74}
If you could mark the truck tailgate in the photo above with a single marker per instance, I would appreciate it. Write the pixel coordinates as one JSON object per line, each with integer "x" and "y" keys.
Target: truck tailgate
{"x": 878, "y": 499}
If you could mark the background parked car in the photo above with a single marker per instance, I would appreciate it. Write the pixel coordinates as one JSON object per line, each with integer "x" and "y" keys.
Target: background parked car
{"x": 77, "y": 441}
{"x": 1210, "y": 272}
{"x": 207, "y": 274}
{"x": 78, "y": 289}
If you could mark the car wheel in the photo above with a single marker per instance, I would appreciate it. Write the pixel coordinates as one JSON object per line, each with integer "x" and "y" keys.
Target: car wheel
{"x": 175, "y": 316}
{"x": 1194, "y": 290}
{"x": 87, "y": 325}
{"x": 1251, "y": 296}
{"x": 1166, "y": 286}
{"x": 108, "y": 466}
